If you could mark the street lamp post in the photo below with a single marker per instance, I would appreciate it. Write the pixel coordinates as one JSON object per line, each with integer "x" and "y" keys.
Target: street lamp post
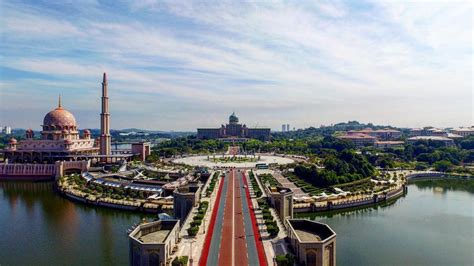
{"x": 191, "y": 252}
{"x": 204, "y": 225}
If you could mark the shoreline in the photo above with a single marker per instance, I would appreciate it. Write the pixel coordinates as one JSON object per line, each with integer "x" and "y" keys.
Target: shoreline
{"x": 110, "y": 205}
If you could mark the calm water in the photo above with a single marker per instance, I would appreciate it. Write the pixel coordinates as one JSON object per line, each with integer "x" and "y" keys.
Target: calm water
{"x": 39, "y": 227}
{"x": 427, "y": 227}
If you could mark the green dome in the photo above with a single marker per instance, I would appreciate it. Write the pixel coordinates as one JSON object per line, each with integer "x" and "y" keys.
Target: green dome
{"x": 233, "y": 119}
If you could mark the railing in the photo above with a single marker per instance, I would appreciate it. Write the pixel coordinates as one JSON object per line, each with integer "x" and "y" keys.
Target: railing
{"x": 27, "y": 169}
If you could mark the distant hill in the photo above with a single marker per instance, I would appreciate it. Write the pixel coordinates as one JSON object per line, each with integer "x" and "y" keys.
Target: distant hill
{"x": 326, "y": 130}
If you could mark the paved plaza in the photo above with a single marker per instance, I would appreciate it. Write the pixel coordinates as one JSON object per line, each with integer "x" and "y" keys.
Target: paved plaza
{"x": 203, "y": 160}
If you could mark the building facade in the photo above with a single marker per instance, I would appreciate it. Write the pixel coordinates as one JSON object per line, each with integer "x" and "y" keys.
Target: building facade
{"x": 234, "y": 130}
{"x": 380, "y": 134}
{"x": 143, "y": 149}
{"x": 464, "y": 132}
{"x": 184, "y": 199}
{"x": 6, "y": 130}
{"x": 152, "y": 243}
{"x": 314, "y": 243}
{"x": 59, "y": 139}
{"x": 282, "y": 200}
{"x": 359, "y": 139}
{"x": 445, "y": 140}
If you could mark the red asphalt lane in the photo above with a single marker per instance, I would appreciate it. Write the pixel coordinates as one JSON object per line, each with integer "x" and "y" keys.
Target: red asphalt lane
{"x": 207, "y": 241}
{"x": 240, "y": 248}
{"x": 225, "y": 250}
{"x": 258, "y": 240}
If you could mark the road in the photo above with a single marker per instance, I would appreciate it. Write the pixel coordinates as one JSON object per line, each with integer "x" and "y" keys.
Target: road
{"x": 234, "y": 239}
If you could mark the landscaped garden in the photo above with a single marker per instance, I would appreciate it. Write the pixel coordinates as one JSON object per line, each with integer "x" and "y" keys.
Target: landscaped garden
{"x": 76, "y": 182}
{"x": 268, "y": 179}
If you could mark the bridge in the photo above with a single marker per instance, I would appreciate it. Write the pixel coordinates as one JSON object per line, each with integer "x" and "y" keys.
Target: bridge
{"x": 39, "y": 172}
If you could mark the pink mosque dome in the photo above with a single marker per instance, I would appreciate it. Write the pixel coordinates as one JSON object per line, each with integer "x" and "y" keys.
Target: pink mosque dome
{"x": 59, "y": 117}
{"x": 12, "y": 141}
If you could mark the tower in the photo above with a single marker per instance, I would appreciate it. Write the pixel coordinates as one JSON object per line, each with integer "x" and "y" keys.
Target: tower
{"x": 105, "y": 138}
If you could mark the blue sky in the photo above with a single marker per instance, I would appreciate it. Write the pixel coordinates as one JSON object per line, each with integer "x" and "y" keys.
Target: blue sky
{"x": 178, "y": 65}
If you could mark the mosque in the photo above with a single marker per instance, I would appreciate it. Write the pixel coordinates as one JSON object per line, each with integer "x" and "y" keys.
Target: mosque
{"x": 60, "y": 138}
{"x": 234, "y": 131}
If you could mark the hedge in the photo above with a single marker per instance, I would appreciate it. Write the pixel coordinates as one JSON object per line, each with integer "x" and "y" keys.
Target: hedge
{"x": 192, "y": 231}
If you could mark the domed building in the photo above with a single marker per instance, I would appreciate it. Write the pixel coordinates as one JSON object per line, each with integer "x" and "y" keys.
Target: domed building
{"x": 59, "y": 140}
{"x": 233, "y": 119}
{"x": 233, "y": 131}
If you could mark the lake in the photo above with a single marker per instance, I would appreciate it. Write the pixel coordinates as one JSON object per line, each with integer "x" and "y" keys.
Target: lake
{"x": 429, "y": 226}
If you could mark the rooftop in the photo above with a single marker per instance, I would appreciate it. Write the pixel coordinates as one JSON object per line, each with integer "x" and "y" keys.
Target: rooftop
{"x": 307, "y": 236}
{"x": 311, "y": 231}
{"x": 466, "y": 129}
{"x": 154, "y": 232}
{"x": 357, "y": 136}
{"x": 429, "y": 138}
{"x": 369, "y": 130}
{"x": 394, "y": 142}
{"x": 155, "y": 237}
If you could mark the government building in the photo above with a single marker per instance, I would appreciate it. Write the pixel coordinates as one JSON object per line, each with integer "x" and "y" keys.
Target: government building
{"x": 234, "y": 131}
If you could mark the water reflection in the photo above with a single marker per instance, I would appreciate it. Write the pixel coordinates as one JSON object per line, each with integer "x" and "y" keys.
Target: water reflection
{"x": 43, "y": 228}
{"x": 445, "y": 185}
{"x": 428, "y": 220}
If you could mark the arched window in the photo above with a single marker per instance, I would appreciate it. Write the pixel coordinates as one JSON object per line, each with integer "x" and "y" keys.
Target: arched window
{"x": 154, "y": 259}
{"x": 311, "y": 258}
{"x": 50, "y": 136}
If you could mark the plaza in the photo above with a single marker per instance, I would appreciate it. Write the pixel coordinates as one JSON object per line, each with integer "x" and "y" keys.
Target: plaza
{"x": 207, "y": 161}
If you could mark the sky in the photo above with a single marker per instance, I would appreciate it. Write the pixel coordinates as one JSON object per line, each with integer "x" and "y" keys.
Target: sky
{"x": 178, "y": 65}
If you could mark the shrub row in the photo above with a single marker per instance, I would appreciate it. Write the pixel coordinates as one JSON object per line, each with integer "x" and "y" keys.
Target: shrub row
{"x": 197, "y": 219}
{"x": 255, "y": 186}
{"x": 210, "y": 189}
{"x": 270, "y": 223}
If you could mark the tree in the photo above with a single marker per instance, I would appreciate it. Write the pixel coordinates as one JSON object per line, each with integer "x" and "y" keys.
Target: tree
{"x": 442, "y": 166}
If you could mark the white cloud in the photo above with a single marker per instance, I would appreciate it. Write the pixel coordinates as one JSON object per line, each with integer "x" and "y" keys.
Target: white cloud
{"x": 321, "y": 58}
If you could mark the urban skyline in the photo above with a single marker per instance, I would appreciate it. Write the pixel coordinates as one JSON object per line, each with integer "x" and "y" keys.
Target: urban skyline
{"x": 192, "y": 63}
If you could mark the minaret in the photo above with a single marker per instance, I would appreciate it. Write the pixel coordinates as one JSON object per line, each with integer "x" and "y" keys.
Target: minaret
{"x": 105, "y": 139}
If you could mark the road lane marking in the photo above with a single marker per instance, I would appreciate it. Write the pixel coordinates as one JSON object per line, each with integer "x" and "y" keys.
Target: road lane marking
{"x": 233, "y": 218}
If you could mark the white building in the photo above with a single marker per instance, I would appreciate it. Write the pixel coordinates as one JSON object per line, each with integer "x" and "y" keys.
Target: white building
{"x": 445, "y": 140}
{"x": 6, "y": 130}
{"x": 463, "y": 131}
